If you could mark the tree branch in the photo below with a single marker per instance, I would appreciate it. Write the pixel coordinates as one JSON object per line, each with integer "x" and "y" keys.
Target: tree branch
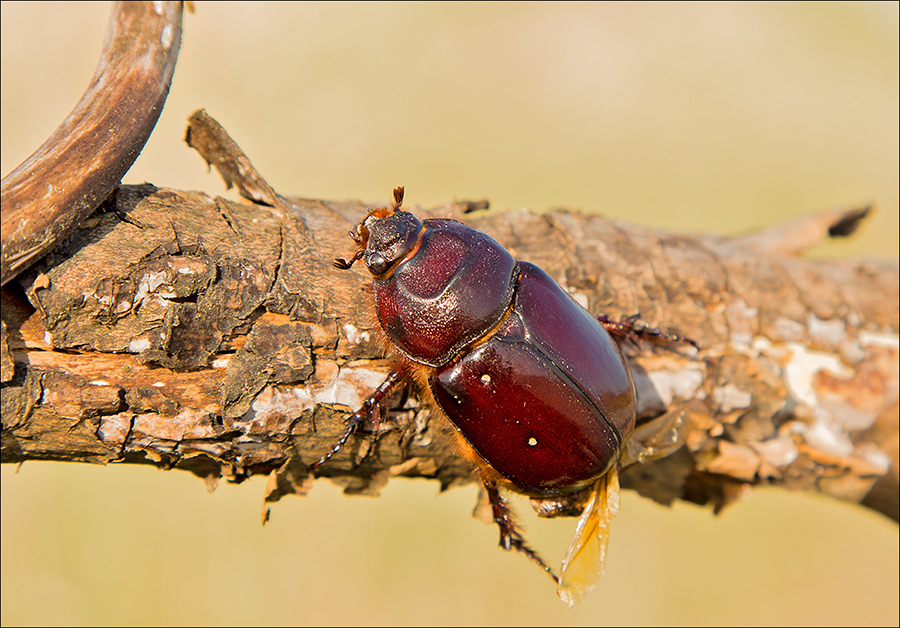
{"x": 197, "y": 333}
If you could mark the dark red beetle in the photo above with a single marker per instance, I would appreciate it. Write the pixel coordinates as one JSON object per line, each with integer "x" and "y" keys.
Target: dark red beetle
{"x": 536, "y": 387}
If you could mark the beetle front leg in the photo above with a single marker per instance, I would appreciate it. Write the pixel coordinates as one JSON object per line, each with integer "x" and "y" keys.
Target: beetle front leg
{"x": 510, "y": 536}
{"x": 369, "y": 407}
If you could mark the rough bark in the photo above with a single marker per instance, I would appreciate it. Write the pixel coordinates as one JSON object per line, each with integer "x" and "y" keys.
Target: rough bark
{"x": 214, "y": 336}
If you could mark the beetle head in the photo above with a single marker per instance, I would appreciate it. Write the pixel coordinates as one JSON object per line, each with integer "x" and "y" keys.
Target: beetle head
{"x": 385, "y": 236}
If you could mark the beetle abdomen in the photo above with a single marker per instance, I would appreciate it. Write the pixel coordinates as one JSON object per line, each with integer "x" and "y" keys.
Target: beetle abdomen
{"x": 548, "y": 399}
{"x": 453, "y": 290}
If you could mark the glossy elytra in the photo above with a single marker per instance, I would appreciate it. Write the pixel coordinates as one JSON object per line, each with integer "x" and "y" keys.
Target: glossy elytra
{"x": 538, "y": 390}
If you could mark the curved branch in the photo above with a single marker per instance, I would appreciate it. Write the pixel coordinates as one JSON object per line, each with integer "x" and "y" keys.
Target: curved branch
{"x": 79, "y": 165}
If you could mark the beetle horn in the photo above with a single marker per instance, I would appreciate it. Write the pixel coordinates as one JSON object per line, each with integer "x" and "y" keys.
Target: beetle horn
{"x": 398, "y": 197}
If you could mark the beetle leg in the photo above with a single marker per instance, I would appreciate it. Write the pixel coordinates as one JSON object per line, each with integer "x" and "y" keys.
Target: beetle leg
{"x": 632, "y": 328}
{"x": 510, "y": 536}
{"x": 369, "y": 408}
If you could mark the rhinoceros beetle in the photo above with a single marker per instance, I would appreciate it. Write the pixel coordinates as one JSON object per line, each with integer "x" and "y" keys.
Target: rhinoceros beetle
{"x": 537, "y": 388}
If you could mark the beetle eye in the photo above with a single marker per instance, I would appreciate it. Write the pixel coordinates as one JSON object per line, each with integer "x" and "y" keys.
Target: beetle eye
{"x": 377, "y": 264}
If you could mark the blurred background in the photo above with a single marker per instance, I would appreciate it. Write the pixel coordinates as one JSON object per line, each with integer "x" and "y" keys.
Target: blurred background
{"x": 704, "y": 117}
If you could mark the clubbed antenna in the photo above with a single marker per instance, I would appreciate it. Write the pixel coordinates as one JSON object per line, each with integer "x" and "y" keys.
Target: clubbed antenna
{"x": 340, "y": 262}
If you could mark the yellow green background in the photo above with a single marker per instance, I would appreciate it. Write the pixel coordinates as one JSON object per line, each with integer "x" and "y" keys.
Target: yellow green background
{"x": 694, "y": 117}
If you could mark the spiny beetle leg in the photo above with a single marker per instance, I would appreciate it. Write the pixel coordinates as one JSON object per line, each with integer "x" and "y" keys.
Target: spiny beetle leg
{"x": 510, "y": 536}
{"x": 634, "y": 329}
{"x": 369, "y": 408}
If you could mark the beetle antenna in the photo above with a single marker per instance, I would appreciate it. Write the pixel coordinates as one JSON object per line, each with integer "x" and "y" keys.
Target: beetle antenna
{"x": 340, "y": 262}
{"x": 398, "y": 197}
